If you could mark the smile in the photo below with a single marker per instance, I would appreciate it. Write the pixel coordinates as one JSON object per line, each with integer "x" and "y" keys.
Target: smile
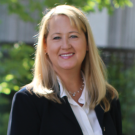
{"x": 66, "y": 56}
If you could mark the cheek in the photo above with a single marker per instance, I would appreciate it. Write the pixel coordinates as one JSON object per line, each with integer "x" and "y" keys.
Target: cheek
{"x": 83, "y": 50}
{"x": 52, "y": 58}
{"x": 82, "y": 46}
{"x": 52, "y": 47}
{"x": 52, "y": 52}
{"x": 49, "y": 47}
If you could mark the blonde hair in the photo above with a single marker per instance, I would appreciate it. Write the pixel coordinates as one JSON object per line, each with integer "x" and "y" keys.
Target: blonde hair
{"x": 45, "y": 81}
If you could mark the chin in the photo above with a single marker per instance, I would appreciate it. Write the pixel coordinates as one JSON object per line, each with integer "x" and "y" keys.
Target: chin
{"x": 66, "y": 67}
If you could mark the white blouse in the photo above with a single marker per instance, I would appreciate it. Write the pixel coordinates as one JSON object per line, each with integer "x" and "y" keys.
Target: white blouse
{"x": 86, "y": 118}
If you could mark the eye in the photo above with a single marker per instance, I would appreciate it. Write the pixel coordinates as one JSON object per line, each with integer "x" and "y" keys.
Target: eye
{"x": 73, "y": 36}
{"x": 56, "y": 38}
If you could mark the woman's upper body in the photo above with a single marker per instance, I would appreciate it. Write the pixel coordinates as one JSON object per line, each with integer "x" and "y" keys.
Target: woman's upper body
{"x": 33, "y": 115}
{"x": 65, "y": 48}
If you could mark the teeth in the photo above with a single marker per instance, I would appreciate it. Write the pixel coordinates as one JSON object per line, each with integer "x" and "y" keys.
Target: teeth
{"x": 67, "y": 55}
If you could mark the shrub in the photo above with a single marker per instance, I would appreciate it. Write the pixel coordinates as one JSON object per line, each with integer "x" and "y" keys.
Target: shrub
{"x": 123, "y": 81}
{"x": 15, "y": 71}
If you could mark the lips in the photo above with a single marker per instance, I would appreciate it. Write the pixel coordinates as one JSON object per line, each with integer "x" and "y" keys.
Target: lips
{"x": 67, "y": 55}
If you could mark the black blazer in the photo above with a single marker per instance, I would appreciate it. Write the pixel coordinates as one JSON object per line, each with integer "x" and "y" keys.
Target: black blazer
{"x": 33, "y": 115}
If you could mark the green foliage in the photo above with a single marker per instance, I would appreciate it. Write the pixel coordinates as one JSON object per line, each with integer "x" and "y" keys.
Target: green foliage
{"x": 3, "y": 101}
{"x": 123, "y": 81}
{"x": 15, "y": 71}
{"x": 3, "y": 123}
{"x": 15, "y": 66}
{"x": 25, "y": 9}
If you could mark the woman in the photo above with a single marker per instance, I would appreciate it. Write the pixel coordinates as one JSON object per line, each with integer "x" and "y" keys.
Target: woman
{"x": 69, "y": 94}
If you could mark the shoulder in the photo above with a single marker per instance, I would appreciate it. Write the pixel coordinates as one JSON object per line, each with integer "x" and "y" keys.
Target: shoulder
{"x": 25, "y": 97}
{"x": 115, "y": 111}
{"x": 26, "y": 94}
{"x": 27, "y": 109}
{"x": 115, "y": 105}
{"x": 23, "y": 93}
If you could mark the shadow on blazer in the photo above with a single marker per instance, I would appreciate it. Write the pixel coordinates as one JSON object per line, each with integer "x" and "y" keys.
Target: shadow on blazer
{"x": 33, "y": 115}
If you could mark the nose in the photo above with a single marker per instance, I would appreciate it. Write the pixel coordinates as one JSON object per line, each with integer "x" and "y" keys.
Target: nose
{"x": 65, "y": 44}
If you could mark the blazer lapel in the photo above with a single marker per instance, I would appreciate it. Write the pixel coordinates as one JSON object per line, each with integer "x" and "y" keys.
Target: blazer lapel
{"x": 67, "y": 111}
{"x": 65, "y": 107}
{"x": 100, "y": 114}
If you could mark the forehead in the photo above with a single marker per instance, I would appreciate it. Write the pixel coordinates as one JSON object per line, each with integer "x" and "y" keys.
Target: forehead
{"x": 61, "y": 18}
{"x": 56, "y": 18}
{"x": 61, "y": 21}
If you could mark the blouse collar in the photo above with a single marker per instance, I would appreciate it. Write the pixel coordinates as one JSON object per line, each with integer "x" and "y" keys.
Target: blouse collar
{"x": 84, "y": 98}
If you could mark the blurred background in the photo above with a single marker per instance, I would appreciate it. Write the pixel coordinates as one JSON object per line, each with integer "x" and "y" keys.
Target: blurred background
{"x": 113, "y": 26}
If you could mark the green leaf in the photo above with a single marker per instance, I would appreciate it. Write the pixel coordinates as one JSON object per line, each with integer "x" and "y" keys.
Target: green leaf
{"x": 9, "y": 77}
{"x": 16, "y": 88}
{"x": 14, "y": 1}
{"x": 6, "y": 91}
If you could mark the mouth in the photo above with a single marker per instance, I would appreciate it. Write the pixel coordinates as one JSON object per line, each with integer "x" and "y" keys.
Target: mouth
{"x": 66, "y": 56}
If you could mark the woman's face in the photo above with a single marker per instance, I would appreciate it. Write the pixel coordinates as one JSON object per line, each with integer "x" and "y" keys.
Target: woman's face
{"x": 65, "y": 45}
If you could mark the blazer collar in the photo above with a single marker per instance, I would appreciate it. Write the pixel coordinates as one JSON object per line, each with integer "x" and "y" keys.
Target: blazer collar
{"x": 67, "y": 111}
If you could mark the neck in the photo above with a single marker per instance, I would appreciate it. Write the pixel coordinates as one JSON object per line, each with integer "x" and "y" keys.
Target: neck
{"x": 72, "y": 80}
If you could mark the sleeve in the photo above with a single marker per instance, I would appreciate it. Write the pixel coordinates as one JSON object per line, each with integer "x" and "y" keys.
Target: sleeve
{"x": 116, "y": 115}
{"x": 24, "y": 119}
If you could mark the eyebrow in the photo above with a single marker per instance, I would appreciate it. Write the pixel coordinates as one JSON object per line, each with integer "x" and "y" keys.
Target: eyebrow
{"x": 73, "y": 32}
{"x": 69, "y": 32}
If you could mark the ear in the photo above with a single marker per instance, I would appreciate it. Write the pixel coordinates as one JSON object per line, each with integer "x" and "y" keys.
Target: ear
{"x": 44, "y": 45}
